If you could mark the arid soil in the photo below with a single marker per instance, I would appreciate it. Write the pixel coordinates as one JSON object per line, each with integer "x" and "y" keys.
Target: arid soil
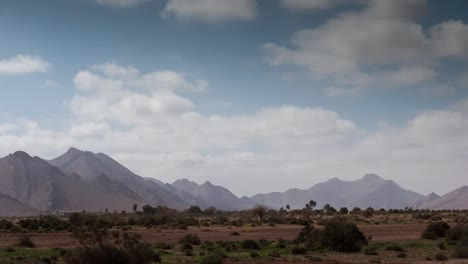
{"x": 452, "y": 261}
{"x": 393, "y": 232}
{"x": 279, "y": 262}
{"x": 289, "y": 232}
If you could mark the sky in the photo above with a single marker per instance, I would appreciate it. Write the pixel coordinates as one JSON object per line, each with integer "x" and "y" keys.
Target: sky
{"x": 253, "y": 95}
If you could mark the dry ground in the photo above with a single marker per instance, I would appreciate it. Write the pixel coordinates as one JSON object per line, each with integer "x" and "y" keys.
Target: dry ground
{"x": 404, "y": 233}
{"x": 393, "y": 232}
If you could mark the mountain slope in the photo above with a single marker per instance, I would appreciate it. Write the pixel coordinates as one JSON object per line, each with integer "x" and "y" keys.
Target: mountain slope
{"x": 36, "y": 184}
{"x": 371, "y": 190}
{"x": 186, "y": 196}
{"x": 91, "y": 165}
{"x": 10, "y": 207}
{"x": 427, "y": 199}
{"x": 31, "y": 181}
{"x": 216, "y": 196}
{"x": 389, "y": 195}
{"x": 457, "y": 199}
{"x": 79, "y": 180}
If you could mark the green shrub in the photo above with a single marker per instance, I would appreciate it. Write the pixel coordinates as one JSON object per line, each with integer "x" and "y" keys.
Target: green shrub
{"x": 440, "y": 256}
{"x": 461, "y": 251}
{"x": 6, "y": 225}
{"x": 250, "y": 244}
{"x": 163, "y": 246}
{"x": 435, "y": 230}
{"x": 298, "y": 250}
{"x": 100, "y": 246}
{"x": 457, "y": 233}
{"x": 309, "y": 236}
{"x": 395, "y": 247}
{"x": 274, "y": 254}
{"x": 264, "y": 243}
{"x": 25, "y": 241}
{"x": 254, "y": 254}
{"x": 341, "y": 235}
{"x": 10, "y": 250}
{"x": 186, "y": 246}
{"x": 281, "y": 244}
{"x": 46, "y": 260}
{"x": 190, "y": 239}
{"x": 402, "y": 255}
{"x": 429, "y": 235}
{"x": 370, "y": 251}
{"x": 315, "y": 258}
{"x": 212, "y": 259}
{"x": 442, "y": 246}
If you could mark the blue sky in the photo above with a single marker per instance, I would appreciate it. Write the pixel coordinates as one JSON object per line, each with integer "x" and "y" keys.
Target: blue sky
{"x": 383, "y": 67}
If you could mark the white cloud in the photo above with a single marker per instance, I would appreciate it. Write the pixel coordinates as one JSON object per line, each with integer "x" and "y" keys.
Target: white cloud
{"x": 451, "y": 39}
{"x": 110, "y": 92}
{"x": 118, "y": 112}
{"x": 463, "y": 80}
{"x": 5, "y": 128}
{"x": 89, "y": 129}
{"x": 379, "y": 46}
{"x": 50, "y": 84}
{"x": 210, "y": 11}
{"x": 121, "y": 3}
{"x": 305, "y": 5}
{"x": 334, "y": 91}
{"x": 22, "y": 64}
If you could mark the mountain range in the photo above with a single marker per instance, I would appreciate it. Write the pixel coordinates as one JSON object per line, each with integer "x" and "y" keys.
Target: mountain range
{"x": 370, "y": 191}
{"x": 82, "y": 180}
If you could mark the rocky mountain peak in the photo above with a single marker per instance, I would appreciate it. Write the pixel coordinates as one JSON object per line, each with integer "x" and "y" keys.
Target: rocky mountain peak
{"x": 433, "y": 195}
{"x": 372, "y": 177}
{"x": 22, "y": 155}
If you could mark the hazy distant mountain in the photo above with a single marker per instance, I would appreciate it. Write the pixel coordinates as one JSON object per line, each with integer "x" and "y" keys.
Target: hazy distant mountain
{"x": 216, "y": 196}
{"x": 31, "y": 181}
{"x": 186, "y": 196}
{"x": 427, "y": 199}
{"x": 36, "y": 184}
{"x": 91, "y": 165}
{"x": 371, "y": 190}
{"x": 12, "y": 207}
{"x": 82, "y": 180}
{"x": 457, "y": 199}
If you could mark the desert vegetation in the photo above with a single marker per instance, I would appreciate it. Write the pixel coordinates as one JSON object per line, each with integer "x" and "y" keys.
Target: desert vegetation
{"x": 209, "y": 235}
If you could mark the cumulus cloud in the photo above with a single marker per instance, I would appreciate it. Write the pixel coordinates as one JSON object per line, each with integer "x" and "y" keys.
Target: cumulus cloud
{"x": 379, "y": 46}
{"x": 451, "y": 39}
{"x": 23, "y": 64}
{"x": 155, "y": 130}
{"x": 110, "y": 92}
{"x": 210, "y": 11}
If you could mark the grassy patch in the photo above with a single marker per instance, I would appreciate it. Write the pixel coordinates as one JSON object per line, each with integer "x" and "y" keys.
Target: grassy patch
{"x": 20, "y": 255}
